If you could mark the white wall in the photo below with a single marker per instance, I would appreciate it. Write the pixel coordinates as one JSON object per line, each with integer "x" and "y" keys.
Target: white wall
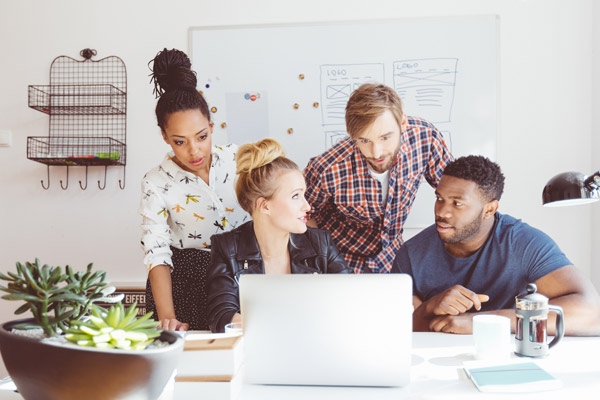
{"x": 545, "y": 112}
{"x": 595, "y": 141}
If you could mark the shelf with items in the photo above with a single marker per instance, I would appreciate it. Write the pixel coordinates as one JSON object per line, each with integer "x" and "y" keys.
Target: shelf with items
{"x": 77, "y": 99}
{"x": 86, "y": 102}
{"x": 76, "y": 151}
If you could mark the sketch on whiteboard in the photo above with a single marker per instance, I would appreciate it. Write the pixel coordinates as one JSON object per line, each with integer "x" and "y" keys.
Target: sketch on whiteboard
{"x": 427, "y": 85}
{"x": 454, "y": 85}
{"x": 338, "y": 82}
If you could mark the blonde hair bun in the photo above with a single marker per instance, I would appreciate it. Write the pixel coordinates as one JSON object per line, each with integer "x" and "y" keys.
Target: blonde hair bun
{"x": 252, "y": 156}
{"x": 258, "y": 167}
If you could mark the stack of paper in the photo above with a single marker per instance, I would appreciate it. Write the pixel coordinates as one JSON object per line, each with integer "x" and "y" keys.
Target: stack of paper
{"x": 514, "y": 376}
{"x": 211, "y": 367}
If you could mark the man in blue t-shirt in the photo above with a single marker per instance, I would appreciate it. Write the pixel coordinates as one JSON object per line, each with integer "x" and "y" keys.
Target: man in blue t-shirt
{"x": 474, "y": 259}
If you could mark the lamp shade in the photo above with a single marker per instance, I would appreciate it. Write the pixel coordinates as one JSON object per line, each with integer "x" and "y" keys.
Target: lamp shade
{"x": 567, "y": 189}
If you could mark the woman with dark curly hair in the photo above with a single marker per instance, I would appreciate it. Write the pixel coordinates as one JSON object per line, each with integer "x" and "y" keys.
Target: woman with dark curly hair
{"x": 185, "y": 199}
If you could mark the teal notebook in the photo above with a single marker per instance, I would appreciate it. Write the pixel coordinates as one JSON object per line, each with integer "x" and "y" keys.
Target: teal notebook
{"x": 513, "y": 376}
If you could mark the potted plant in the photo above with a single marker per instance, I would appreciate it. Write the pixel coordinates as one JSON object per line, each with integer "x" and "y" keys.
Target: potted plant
{"x": 103, "y": 354}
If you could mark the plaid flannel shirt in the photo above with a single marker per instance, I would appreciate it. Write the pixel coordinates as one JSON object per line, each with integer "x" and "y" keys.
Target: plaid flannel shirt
{"x": 346, "y": 199}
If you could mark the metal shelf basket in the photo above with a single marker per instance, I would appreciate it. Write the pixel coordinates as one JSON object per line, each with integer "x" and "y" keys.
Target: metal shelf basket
{"x": 86, "y": 101}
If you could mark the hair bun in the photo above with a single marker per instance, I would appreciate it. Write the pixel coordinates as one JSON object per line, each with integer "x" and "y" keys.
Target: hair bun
{"x": 255, "y": 155}
{"x": 172, "y": 69}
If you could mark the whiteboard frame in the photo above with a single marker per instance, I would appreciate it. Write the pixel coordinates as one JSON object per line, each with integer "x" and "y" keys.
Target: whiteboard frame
{"x": 307, "y": 24}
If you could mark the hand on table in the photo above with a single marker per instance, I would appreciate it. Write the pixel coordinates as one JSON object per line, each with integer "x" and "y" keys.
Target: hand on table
{"x": 462, "y": 323}
{"x": 454, "y": 301}
{"x": 172, "y": 324}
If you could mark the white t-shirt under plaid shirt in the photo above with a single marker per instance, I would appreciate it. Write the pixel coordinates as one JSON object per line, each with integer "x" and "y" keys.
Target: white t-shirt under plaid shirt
{"x": 179, "y": 209}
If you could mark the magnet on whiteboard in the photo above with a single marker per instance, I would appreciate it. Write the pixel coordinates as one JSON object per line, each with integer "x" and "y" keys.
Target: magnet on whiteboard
{"x": 213, "y": 109}
{"x": 301, "y": 76}
{"x": 316, "y": 104}
{"x": 223, "y": 125}
{"x": 296, "y": 106}
{"x": 247, "y": 96}
{"x": 201, "y": 92}
{"x": 207, "y": 85}
{"x": 253, "y": 97}
{"x": 258, "y": 95}
{"x": 290, "y": 131}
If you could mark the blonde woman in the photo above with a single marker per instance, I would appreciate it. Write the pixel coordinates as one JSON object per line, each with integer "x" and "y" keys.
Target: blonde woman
{"x": 271, "y": 188}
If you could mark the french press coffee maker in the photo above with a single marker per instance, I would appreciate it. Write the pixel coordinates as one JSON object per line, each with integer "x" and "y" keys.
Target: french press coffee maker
{"x": 532, "y": 316}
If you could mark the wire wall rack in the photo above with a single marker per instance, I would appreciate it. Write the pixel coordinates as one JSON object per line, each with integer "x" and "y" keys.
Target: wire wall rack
{"x": 86, "y": 102}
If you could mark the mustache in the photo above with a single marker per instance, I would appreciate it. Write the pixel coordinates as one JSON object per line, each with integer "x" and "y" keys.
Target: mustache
{"x": 442, "y": 220}
{"x": 379, "y": 158}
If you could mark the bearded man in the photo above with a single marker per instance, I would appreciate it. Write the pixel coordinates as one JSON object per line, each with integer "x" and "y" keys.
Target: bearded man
{"x": 362, "y": 188}
{"x": 475, "y": 260}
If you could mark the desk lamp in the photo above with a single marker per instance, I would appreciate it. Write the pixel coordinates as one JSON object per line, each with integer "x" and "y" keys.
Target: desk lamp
{"x": 571, "y": 188}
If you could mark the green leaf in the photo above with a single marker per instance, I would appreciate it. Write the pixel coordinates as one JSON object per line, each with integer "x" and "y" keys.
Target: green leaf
{"x": 25, "y": 307}
{"x": 75, "y": 337}
{"x": 107, "y": 290}
{"x": 63, "y": 316}
{"x": 26, "y": 326}
{"x": 21, "y": 296}
{"x": 141, "y": 323}
{"x": 45, "y": 275}
{"x": 31, "y": 280}
{"x": 70, "y": 273}
{"x": 56, "y": 276}
{"x": 142, "y": 345}
{"x": 111, "y": 299}
{"x": 14, "y": 276}
{"x": 101, "y": 338}
{"x": 98, "y": 322}
{"x": 68, "y": 297}
{"x": 98, "y": 311}
{"x": 129, "y": 315}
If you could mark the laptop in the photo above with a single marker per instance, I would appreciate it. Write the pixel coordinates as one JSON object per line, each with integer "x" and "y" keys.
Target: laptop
{"x": 338, "y": 330}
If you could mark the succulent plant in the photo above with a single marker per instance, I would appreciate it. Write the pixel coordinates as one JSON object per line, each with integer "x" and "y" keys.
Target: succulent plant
{"x": 116, "y": 328}
{"x": 55, "y": 298}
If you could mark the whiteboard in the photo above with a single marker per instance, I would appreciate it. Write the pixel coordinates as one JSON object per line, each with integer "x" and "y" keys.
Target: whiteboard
{"x": 291, "y": 82}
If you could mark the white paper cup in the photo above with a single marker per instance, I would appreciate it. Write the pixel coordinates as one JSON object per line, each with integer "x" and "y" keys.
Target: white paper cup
{"x": 234, "y": 328}
{"x": 492, "y": 337}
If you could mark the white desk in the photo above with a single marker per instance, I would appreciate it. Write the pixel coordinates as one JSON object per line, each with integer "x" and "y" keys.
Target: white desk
{"x": 436, "y": 373}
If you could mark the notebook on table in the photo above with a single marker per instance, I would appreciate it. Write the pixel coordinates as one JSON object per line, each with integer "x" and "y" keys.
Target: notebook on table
{"x": 342, "y": 330}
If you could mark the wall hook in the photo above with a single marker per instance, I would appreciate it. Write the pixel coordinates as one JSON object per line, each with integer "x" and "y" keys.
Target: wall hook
{"x": 42, "y": 181}
{"x": 103, "y": 186}
{"x": 86, "y": 176}
{"x": 61, "y": 185}
{"x": 122, "y": 187}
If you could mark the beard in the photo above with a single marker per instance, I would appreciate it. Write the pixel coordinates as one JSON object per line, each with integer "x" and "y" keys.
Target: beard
{"x": 380, "y": 169}
{"x": 464, "y": 233}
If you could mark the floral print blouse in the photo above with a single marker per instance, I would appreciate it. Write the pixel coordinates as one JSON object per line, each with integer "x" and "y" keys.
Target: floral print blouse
{"x": 179, "y": 209}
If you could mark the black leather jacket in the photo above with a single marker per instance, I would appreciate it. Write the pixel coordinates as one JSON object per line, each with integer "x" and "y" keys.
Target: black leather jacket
{"x": 236, "y": 252}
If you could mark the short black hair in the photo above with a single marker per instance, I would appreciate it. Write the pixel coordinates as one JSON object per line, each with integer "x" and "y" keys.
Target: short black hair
{"x": 481, "y": 170}
{"x": 175, "y": 83}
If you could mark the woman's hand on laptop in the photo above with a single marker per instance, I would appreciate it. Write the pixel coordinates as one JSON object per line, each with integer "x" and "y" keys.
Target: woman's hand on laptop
{"x": 172, "y": 324}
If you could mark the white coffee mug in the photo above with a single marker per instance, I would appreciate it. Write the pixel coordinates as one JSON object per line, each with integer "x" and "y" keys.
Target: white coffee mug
{"x": 492, "y": 337}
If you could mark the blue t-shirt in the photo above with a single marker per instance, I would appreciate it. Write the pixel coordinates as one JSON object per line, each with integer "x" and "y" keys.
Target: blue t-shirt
{"x": 514, "y": 255}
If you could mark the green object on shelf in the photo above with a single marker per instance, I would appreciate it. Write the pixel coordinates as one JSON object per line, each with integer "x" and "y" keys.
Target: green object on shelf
{"x": 113, "y": 155}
